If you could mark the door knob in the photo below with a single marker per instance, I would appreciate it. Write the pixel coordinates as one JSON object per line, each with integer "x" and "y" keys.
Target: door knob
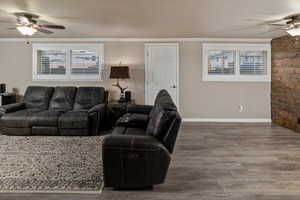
{"x": 173, "y": 86}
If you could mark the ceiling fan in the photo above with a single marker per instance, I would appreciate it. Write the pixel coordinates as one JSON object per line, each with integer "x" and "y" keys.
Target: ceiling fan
{"x": 289, "y": 24}
{"x": 28, "y": 25}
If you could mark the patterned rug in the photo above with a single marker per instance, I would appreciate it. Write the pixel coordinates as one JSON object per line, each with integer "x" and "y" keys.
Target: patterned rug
{"x": 51, "y": 164}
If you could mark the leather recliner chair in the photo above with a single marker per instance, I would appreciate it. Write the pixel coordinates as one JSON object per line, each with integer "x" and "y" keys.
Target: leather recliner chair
{"x": 55, "y": 111}
{"x": 138, "y": 152}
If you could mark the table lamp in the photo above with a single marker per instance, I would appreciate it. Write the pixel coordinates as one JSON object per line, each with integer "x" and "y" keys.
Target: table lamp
{"x": 119, "y": 72}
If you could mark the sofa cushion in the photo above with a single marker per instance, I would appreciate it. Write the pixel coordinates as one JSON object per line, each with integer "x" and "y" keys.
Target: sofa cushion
{"x": 46, "y": 118}
{"x": 119, "y": 130}
{"x": 164, "y": 100}
{"x": 133, "y": 120}
{"x": 38, "y": 97}
{"x": 16, "y": 131}
{"x": 158, "y": 122}
{"x": 18, "y": 119}
{"x": 122, "y": 130}
{"x": 74, "y": 132}
{"x": 87, "y": 97}
{"x": 74, "y": 119}
{"x": 44, "y": 130}
{"x": 63, "y": 98}
{"x": 135, "y": 131}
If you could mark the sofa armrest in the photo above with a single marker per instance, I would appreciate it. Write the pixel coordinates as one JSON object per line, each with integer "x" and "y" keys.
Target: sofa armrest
{"x": 141, "y": 109}
{"x": 11, "y": 108}
{"x": 97, "y": 108}
{"x": 97, "y": 117}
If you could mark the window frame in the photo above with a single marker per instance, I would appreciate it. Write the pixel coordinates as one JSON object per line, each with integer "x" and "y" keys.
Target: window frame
{"x": 98, "y": 47}
{"x": 236, "y": 47}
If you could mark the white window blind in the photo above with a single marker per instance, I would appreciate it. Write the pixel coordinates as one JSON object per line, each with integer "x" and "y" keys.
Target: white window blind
{"x": 84, "y": 62}
{"x": 253, "y": 62}
{"x": 221, "y": 62}
{"x": 51, "y": 62}
{"x": 64, "y": 62}
{"x": 236, "y": 62}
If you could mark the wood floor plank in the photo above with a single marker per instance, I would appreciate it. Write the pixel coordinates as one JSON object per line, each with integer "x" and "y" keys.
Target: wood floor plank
{"x": 215, "y": 161}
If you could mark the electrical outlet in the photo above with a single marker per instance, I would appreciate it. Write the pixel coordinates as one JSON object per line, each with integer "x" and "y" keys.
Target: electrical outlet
{"x": 241, "y": 108}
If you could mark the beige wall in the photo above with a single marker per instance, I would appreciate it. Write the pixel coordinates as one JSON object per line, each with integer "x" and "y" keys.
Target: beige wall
{"x": 198, "y": 99}
{"x": 16, "y": 68}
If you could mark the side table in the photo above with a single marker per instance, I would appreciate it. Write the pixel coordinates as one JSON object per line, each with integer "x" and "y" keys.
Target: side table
{"x": 7, "y": 98}
{"x": 115, "y": 110}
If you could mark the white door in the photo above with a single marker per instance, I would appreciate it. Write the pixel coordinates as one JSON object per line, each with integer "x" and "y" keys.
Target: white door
{"x": 161, "y": 71}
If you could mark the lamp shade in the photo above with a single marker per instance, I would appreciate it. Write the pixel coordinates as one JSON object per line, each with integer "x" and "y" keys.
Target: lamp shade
{"x": 119, "y": 72}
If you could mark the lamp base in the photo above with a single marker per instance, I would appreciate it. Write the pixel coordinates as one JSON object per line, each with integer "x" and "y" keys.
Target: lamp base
{"x": 122, "y": 98}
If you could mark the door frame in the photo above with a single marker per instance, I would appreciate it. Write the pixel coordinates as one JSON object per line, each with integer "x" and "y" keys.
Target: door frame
{"x": 147, "y": 45}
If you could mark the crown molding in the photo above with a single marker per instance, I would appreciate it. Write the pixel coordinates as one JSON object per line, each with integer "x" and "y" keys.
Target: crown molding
{"x": 135, "y": 40}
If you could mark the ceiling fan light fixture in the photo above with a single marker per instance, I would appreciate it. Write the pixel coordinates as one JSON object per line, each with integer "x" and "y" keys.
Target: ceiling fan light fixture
{"x": 26, "y": 30}
{"x": 294, "y": 31}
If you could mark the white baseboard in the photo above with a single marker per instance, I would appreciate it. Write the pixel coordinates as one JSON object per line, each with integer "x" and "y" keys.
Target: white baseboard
{"x": 239, "y": 120}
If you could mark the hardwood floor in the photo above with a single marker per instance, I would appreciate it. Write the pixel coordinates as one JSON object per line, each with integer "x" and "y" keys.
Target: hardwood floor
{"x": 219, "y": 162}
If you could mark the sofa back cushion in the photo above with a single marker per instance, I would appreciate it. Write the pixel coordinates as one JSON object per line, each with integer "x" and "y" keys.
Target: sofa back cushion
{"x": 164, "y": 120}
{"x": 172, "y": 127}
{"x": 63, "y": 98}
{"x": 165, "y": 101}
{"x": 38, "y": 97}
{"x": 158, "y": 123}
{"x": 164, "y": 126}
{"x": 154, "y": 127}
{"x": 87, "y": 97}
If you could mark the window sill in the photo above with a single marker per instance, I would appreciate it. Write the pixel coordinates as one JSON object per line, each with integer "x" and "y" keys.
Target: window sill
{"x": 221, "y": 79}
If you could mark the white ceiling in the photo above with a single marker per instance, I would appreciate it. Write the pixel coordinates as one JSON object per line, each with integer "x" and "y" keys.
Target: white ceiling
{"x": 152, "y": 18}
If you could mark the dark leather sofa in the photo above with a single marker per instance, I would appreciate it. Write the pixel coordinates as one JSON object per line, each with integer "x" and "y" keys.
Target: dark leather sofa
{"x": 137, "y": 153}
{"x": 55, "y": 111}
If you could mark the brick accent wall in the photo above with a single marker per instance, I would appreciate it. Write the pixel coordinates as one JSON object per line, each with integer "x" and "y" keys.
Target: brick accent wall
{"x": 285, "y": 97}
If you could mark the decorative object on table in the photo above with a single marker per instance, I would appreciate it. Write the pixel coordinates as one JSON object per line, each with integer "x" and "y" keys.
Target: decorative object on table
{"x": 51, "y": 164}
{"x": 7, "y": 98}
{"x": 120, "y": 72}
{"x": 2, "y": 88}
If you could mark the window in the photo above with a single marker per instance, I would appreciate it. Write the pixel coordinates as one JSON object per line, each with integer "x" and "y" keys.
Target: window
{"x": 67, "y": 62}
{"x": 221, "y": 62}
{"x": 236, "y": 62}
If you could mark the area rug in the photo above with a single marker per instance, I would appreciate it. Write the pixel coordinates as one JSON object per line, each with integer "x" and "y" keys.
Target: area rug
{"x": 51, "y": 164}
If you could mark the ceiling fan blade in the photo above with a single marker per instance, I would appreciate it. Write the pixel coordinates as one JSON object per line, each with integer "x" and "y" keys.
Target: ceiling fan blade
{"x": 293, "y": 16}
{"x": 27, "y": 15}
{"x": 278, "y": 25}
{"x": 44, "y": 31}
{"x": 52, "y": 26}
{"x": 272, "y": 30}
{"x": 263, "y": 22}
{"x": 11, "y": 28}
